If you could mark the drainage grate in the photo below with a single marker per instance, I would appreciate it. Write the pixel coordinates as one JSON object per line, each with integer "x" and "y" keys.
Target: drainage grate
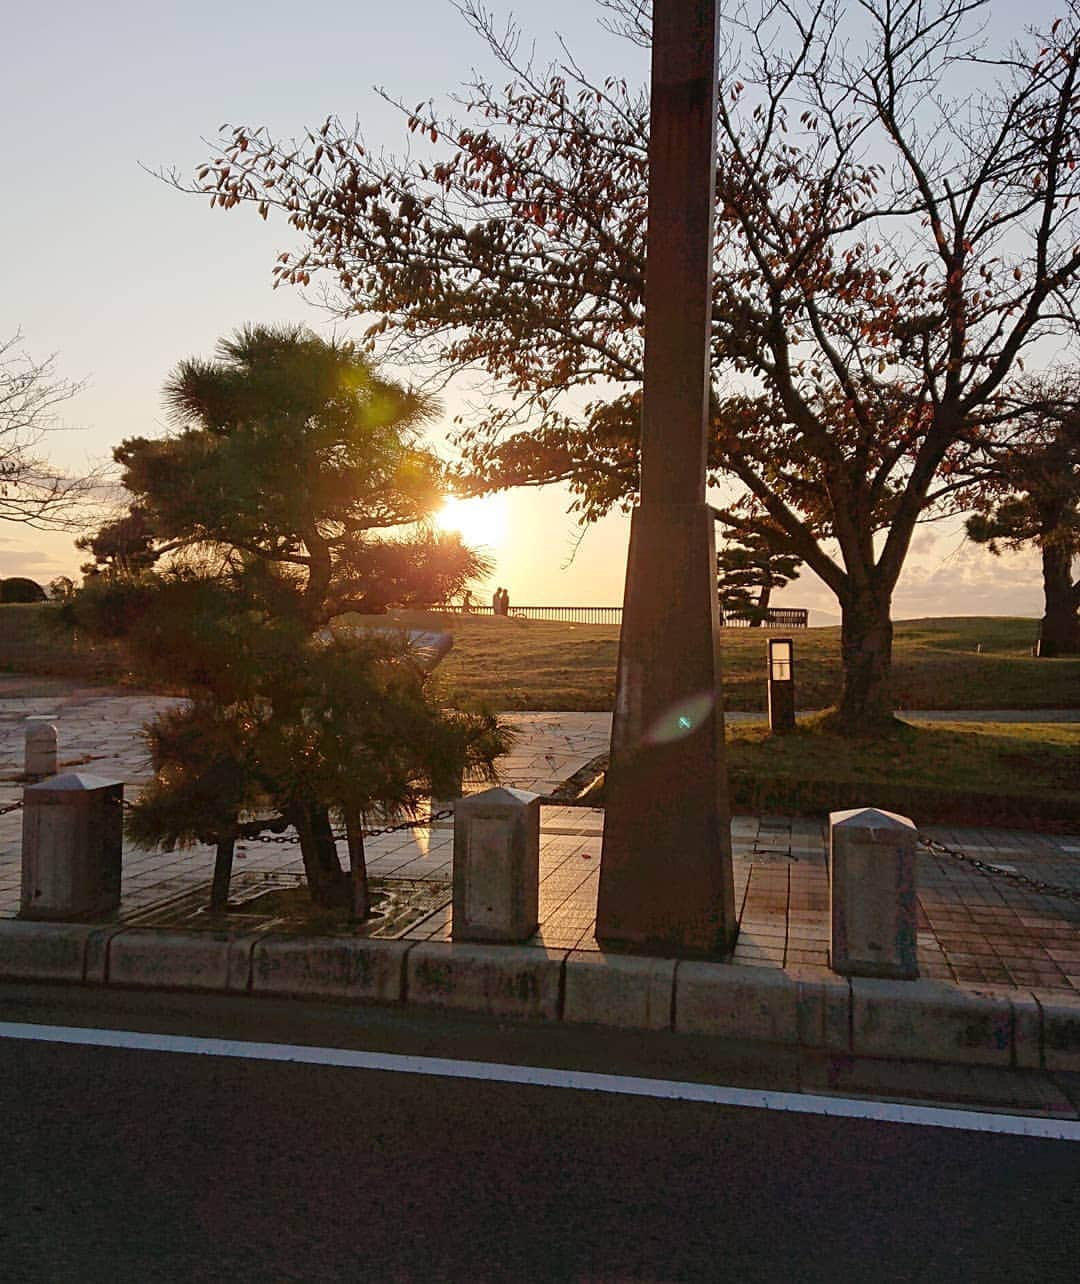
{"x": 399, "y": 905}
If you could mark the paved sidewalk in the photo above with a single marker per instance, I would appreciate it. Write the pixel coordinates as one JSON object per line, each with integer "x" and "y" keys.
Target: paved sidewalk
{"x": 974, "y": 929}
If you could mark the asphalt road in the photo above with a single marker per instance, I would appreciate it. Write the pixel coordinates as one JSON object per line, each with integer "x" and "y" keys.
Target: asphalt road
{"x": 146, "y": 1165}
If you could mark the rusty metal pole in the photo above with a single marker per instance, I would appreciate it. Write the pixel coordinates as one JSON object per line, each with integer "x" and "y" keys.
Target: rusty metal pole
{"x": 665, "y": 876}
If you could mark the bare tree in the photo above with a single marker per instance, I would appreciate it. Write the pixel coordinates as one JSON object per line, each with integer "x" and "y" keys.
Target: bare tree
{"x": 32, "y": 491}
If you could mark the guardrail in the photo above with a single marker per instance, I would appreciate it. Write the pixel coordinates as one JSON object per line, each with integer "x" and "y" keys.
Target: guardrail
{"x": 777, "y": 617}
{"x": 565, "y": 614}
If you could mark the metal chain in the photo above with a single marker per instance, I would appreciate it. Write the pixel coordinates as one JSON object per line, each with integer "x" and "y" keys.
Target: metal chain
{"x": 340, "y": 835}
{"x": 1014, "y": 876}
{"x": 419, "y": 823}
{"x": 931, "y": 844}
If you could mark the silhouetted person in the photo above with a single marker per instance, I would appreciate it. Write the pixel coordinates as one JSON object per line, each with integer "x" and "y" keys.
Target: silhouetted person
{"x": 496, "y": 601}
{"x": 505, "y": 603}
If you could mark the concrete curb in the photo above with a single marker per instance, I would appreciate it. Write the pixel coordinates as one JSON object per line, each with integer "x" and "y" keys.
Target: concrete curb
{"x": 329, "y": 968}
{"x": 173, "y": 960}
{"x": 804, "y": 1007}
{"x": 496, "y": 980}
{"x": 1060, "y": 1030}
{"x": 619, "y": 990}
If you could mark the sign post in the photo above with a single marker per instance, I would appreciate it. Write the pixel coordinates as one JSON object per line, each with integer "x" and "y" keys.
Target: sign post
{"x": 781, "y": 666}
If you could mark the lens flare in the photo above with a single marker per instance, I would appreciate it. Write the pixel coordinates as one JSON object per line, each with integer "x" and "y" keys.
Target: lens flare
{"x": 681, "y": 720}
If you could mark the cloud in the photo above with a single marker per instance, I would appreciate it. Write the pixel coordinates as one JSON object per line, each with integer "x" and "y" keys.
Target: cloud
{"x": 944, "y": 575}
{"x": 35, "y": 566}
{"x": 969, "y": 580}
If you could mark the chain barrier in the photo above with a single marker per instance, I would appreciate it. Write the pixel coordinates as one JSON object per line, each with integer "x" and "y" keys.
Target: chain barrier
{"x": 419, "y": 822}
{"x": 340, "y": 835}
{"x": 248, "y": 835}
{"x": 1013, "y": 876}
{"x": 1039, "y": 885}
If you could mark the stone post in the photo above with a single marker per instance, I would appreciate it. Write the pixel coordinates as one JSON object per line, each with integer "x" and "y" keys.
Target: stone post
{"x": 872, "y": 893}
{"x": 497, "y": 866}
{"x": 72, "y": 843}
{"x": 42, "y": 749}
{"x": 666, "y": 883}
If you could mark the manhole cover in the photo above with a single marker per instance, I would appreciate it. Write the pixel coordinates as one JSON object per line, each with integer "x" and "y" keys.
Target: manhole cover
{"x": 277, "y": 902}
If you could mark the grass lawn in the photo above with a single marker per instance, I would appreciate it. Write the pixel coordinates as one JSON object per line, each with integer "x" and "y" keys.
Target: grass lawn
{"x": 1024, "y": 774}
{"x": 536, "y": 664}
{"x": 1019, "y": 774}
{"x": 967, "y": 773}
{"x": 532, "y": 664}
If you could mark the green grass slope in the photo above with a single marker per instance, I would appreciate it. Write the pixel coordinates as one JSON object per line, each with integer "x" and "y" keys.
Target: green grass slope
{"x": 523, "y": 664}
{"x": 533, "y": 664}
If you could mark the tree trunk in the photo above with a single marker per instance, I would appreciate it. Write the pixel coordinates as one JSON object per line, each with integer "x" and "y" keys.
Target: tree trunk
{"x": 326, "y": 879}
{"x": 361, "y": 900}
{"x": 1059, "y": 632}
{"x": 223, "y": 863}
{"x": 320, "y": 573}
{"x": 866, "y": 654}
{"x": 762, "y": 610}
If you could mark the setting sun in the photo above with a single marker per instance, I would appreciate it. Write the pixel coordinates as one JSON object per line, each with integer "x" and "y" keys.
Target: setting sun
{"x": 481, "y": 522}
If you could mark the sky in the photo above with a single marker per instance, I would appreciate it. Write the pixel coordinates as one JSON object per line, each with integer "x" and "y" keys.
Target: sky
{"x": 121, "y": 276}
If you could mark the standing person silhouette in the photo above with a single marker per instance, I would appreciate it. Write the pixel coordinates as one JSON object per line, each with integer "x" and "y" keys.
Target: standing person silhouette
{"x": 496, "y": 601}
{"x": 505, "y": 603}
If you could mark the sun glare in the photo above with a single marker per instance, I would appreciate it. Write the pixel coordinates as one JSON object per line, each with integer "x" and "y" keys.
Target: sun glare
{"x": 481, "y": 522}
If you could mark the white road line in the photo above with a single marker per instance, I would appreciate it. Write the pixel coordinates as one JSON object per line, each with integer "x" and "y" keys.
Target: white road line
{"x": 545, "y": 1077}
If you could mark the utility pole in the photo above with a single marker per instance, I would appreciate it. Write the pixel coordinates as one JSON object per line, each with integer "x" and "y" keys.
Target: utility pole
{"x": 665, "y": 876}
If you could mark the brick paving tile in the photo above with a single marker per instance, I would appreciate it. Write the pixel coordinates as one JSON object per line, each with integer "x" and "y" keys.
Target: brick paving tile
{"x": 752, "y": 920}
{"x": 818, "y": 958}
{"x": 1045, "y": 980}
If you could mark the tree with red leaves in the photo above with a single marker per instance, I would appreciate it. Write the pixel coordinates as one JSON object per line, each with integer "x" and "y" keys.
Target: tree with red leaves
{"x": 897, "y": 229}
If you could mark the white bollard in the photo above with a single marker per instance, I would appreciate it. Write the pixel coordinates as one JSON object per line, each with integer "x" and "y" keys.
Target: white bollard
{"x": 872, "y": 893}
{"x": 72, "y": 842}
{"x": 497, "y": 866}
{"x": 42, "y": 749}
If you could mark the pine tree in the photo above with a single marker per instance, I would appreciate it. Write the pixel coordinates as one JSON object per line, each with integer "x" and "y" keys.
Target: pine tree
{"x": 293, "y": 490}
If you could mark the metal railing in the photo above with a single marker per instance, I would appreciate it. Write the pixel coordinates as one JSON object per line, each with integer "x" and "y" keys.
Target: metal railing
{"x": 565, "y": 614}
{"x": 776, "y": 617}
